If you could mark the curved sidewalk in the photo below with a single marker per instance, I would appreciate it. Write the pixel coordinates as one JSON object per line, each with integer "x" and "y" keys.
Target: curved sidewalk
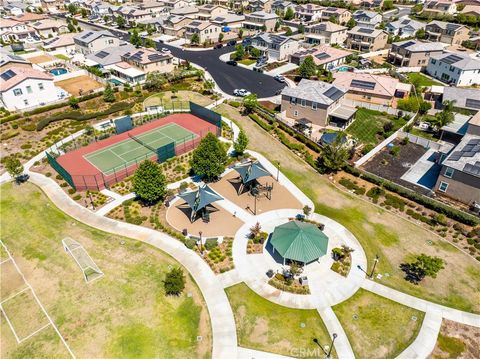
{"x": 221, "y": 315}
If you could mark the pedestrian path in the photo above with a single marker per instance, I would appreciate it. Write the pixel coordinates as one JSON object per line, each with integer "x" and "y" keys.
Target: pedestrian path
{"x": 244, "y": 353}
{"x": 342, "y": 344}
{"x": 118, "y": 199}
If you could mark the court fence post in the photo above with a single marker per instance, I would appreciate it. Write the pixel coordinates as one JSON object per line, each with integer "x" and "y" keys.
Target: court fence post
{"x": 84, "y": 182}
{"x": 115, "y": 174}
{"x": 104, "y": 181}
{"x": 95, "y": 178}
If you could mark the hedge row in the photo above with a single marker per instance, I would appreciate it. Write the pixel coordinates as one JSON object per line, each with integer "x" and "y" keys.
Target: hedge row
{"x": 260, "y": 122}
{"x": 429, "y": 203}
{"x": 79, "y": 116}
{"x": 9, "y": 118}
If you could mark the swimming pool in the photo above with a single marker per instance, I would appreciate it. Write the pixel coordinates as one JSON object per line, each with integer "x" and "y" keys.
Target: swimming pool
{"x": 58, "y": 71}
{"x": 343, "y": 68}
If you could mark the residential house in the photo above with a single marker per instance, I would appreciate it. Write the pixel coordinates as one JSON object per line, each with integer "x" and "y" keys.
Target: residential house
{"x": 448, "y": 33}
{"x": 464, "y": 99}
{"x": 29, "y": 17}
{"x": 260, "y": 5}
{"x": 135, "y": 65}
{"x": 316, "y": 102}
{"x": 175, "y": 25}
{"x": 61, "y": 43}
{"x": 324, "y": 56}
{"x": 404, "y": 27}
{"x": 15, "y": 9}
{"x": 325, "y": 33}
{"x": 133, "y": 14}
{"x": 439, "y": 7}
{"x": 275, "y": 47}
{"x": 22, "y": 87}
{"x": 281, "y": 6}
{"x": 155, "y": 8}
{"x": 89, "y": 41}
{"x": 232, "y": 21}
{"x": 455, "y": 69}
{"x": 366, "y": 18}
{"x": 413, "y": 53}
{"x": 459, "y": 176}
{"x": 209, "y": 11}
{"x": 260, "y": 20}
{"x": 366, "y": 39}
{"x": 9, "y": 60}
{"x": 375, "y": 89}
{"x": 308, "y": 12}
{"x": 370, "y": 4}
{"x": 338, "y": 15}
{"x": 471, "y": 10}
{"x": 50, "y": 27}
{"x": 109, "y": 55}
{"x": 175, "y": 4}
{"x": 468, "y": 2}
{"x": 12, "y": 30}
{"x": 190, "y": 12}
{"x": 207, "y": 32}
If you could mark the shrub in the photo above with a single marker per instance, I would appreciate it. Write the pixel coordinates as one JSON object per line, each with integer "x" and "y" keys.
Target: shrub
{"x": 374, "y": 193}
{"x": 352, "y": 186}
{"x": 174, "y": 282}
{"x": 395, "y": 202}
{"x": 259, "y": 122}
{"x": 77, "y": 197}
{"x": 394, "y": 151}
{"x": 211, "y": 243}
{"x": 190, "y": 243}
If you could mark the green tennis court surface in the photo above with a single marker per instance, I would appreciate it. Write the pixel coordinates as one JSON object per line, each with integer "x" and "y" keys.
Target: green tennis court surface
{"x": 126, "y": 153}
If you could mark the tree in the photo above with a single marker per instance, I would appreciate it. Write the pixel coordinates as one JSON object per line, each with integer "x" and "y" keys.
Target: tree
{"x": 424, "y": 266}
{"x": 288, "y": 32}
{"x": 277, "y": 26}
{"x": 301, "y": 29}
{"x": 84, "y": 13}
{"x": 239, "y": 52}
{"x": 149, "y": 183}
{"x": 154, "y": 81}
{"x": 333, "y": 19}
{"x": 195, "y": 39}
{"x": 135, "y": 38}
{"x": 240, "y": 33}
{"x": 220, "y": 37}
{"x": 70, "y": 27}
{"x": 333, "y": 157}
{"x": 208, "y": 86}
{"x": 120, "y": 21}
{"x": 149, "y": 43}
{"x": 106, "y": 18}
{"x": 254, "y": 52}
{"x": 308, "y": 68}
{"x": 241, "y": 143}
{"x": 13, "y": 166}
{"x": 209, "y": 158}
{"x": 351, "y": 23}
{"x": 72, "y": 9}
{"x": 264, "y": 28}
{"x": 289, "y": 14}
{"x": 73, "y": 102}
{"x": 387, "y": 5}
{"x": 174, "y": 283}
{"x": 108, "y": 95}
{"x": 307, "y": 210}
{"x": 420, "y": 34}
{"x": 424, "y": 107}
{"x": 250, "y": 102}
{"x": 444, "y": 117}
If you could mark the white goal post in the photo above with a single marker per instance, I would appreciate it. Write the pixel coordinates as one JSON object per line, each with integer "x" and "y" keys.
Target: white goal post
{"x": 90, "y": 270}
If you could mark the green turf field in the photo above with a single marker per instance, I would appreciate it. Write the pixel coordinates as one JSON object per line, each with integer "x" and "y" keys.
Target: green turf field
{"x": 126, "y": 153}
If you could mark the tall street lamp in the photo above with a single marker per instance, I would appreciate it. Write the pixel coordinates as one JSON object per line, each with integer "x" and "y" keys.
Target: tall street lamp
{"x": 329, "y": 352}
{"x": 278, "y": 170}
{"x": 375, "y": 261}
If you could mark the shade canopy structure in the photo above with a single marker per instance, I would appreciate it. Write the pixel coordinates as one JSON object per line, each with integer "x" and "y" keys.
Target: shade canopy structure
{"x": 199, "y": 199}
{"x": 299, "y": 241}
{"x": 251, "y": 171}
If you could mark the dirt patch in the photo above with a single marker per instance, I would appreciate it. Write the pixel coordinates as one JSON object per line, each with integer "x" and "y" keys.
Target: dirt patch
{"x": 11, "y": 282}
{"x": 457, "y": 340}
{"x": 41, "y": 59}
{"x": 80, "y": 85}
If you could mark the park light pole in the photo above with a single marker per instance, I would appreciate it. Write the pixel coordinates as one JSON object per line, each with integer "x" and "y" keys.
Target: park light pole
{"x": 200, "y": 242}
{"x": 278, "y": 170}
{"x": 375, "y": 261}
{"x": 329, "y": 352}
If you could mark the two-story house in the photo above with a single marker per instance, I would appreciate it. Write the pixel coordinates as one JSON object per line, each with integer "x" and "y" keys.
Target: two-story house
{"x": 366, "y": 39}
{"x": 336, "y": 14}
{"x": 9, "y": 60}
{"x": 324, "y": 56}
{"x": 232, "y": 21}
{"x": 89, "y": 41}
{"x": 439, "y": 7}
{"x": 308, "y": 12}
{"x": 260, "y": 20}
{"x": 155, "y": 8}
{"x": 365, "y": 18}
{"x": 12, "y": 30}
{"x": 50, "y": 27}
{"x": 133, "y": 14}
{"x": 260, "y": 5}
{"x": 206, "y": 31}
{"x": 456, "y": 69}
{"x": 275, "y": 47}
{"x": 448, "y": 33}
{"x": 175, "y": 25}
{"x": 316, "y": 102}
{"x": 459, "y": 176}
{"x": 24, "y": 87}
{"x": 281, "y": 6}
{"x": 209, "y": 11}
{"x": 326, "y": 33}
{"x": 413, "y": 53}
{"x": 404, "y": 27}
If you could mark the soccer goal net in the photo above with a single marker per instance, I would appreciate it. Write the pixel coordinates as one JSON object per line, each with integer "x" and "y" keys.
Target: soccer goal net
{"x": 85, "y": 262}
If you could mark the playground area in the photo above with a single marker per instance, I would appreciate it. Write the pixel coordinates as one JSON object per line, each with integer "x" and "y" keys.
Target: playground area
{"x": 279, "y": 197}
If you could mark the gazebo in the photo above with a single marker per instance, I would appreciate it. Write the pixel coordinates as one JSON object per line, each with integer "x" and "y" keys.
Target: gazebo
{"x": 249, "y": 172}
{"x": 200, "y": 199}
{"x": 299, "y": 241}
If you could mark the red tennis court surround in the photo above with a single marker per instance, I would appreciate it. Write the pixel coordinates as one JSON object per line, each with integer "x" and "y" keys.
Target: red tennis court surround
{"x": 86, "y": 176}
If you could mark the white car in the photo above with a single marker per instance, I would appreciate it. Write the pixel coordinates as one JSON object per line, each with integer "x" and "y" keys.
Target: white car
{"x": 241, "y": 92}
{"x": 166, "y": 51}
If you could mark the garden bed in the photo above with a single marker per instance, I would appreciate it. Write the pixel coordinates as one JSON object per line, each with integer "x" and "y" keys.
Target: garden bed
{"x": 219, "y": 256}
{"x": 293, "y": 286}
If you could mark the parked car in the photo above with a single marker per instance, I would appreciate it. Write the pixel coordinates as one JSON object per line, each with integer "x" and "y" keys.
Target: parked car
{"x": 231, "y": 43}
{"x": 232, "y": 62}
{"x": 165, "y": 50}
{"x": 218, "y": 46}
{"x": 241, "y": 92}
{"x": 279, "y": 78}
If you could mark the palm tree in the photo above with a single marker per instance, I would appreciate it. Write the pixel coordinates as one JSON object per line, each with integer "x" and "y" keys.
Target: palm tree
{"x": 444, "y": 117}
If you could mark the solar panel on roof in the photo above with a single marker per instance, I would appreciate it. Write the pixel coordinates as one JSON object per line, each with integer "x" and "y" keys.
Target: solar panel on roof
{"x": 333, "y": 93}
{"x": 87, "y": 35}
{"x": 455, "y": 156}
{"x": 473, "y": 169}
{"x": 322, "y": 55}
{"x": 7, "y": 75}
{"x": 450, "y": 59}
{"x": 407, "y": 44}
{"x": 102, "y": 54}
{"x": 366, "y": 31}
{"x": 366, "y": 85}
{"x": 155, "y": 57}
{"x": 474, "y": 141}
{"x": 469, "y": 154}
{"x": 470, "y": 102}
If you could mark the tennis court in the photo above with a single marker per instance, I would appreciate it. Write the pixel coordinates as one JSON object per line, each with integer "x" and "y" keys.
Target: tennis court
{"x": 127, "y": 152}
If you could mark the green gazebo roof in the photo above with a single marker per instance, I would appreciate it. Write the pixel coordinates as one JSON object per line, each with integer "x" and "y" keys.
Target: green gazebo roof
{"x": 299, "y": 241}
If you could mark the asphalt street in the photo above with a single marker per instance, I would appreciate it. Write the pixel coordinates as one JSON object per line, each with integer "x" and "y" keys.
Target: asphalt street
{"x": 227, "y": 77}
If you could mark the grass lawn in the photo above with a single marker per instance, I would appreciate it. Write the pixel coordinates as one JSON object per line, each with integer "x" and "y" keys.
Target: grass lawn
{"x": 382, "y": 328}
{"x": 124, "y": 314}
{"x": 247, "y": 62}
{"x": 167, "y": 99}
{"x": 423, "y": 134}
{"x": 422, "y": 79}
{"x": 270, "y": 327}
{"x": 369, "y": 123}
{"x": 380, "y": 232}
{"x": 62, "y": 57}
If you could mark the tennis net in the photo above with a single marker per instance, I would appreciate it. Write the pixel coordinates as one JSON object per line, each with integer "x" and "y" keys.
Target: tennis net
{"x": 142, "y": 143}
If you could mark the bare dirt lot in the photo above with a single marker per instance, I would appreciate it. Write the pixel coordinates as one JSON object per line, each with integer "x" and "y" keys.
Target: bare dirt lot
{"x": 457, "y": 340}
{"x": 80, "y": 84}
{"x": 41, "y": 59}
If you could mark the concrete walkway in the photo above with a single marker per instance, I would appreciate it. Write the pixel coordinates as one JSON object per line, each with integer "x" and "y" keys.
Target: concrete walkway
{"x": 244, "y": 353}
{"x": 342, "y": 345}
{"x": 221, "y": 315}
{"x": 422, "y": 305}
